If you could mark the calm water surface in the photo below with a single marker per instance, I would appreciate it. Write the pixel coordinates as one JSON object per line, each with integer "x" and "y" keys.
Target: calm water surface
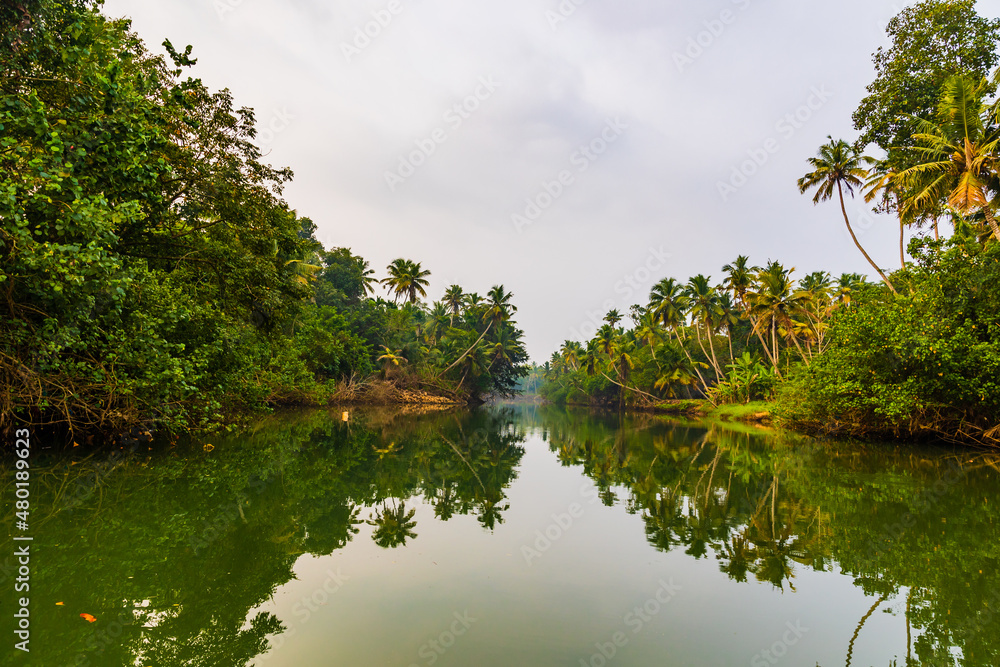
{"x": 509, "y": 537}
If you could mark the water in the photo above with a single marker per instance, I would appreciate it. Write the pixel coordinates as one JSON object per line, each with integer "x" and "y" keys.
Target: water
{"x": 509, "y": 537}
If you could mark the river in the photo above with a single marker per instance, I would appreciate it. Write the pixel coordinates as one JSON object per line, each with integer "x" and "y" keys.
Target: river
{"x": 515, "y": 536}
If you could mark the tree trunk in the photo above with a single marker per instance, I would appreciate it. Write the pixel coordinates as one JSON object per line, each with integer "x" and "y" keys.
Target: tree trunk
{"x": 902, "y": 253}
{"x": 843, "y": 209}
{"x": 992, "y": 222}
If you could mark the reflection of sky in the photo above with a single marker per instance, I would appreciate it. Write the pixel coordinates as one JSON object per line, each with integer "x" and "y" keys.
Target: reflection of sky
{"x": 573, "y": 597}
{"x": 342, "y": 125}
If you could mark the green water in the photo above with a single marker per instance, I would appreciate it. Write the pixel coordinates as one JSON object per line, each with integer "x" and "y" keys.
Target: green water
{"x": 508, "y": 537}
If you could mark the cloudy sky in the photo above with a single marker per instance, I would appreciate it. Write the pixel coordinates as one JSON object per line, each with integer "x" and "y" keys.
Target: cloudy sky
{"x": 575, "y": 151}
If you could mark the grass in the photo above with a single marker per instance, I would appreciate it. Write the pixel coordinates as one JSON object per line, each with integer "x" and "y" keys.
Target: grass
{"x": 750, "y": 412}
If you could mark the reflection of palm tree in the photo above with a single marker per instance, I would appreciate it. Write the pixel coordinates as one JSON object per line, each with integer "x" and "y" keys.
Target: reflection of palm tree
{"x": 393, "y": 526}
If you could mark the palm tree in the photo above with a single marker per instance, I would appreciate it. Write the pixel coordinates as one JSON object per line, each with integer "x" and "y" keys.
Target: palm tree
{"x": 669, "y": 302}
{"x": 454, "y": 298}
{"x": 704, "y": 309}
{"x": 958, "y": 156}
{"x": 739, "y": 278}
{"x": 439, "y": 321}
{"x": 846, "y": 285}
{"x": 772, "y": 307}
{"x": 571, "y": 351}
{"x": 499, "y": 307}
{"x": 883, "y": 184}
{"x": 728, "y": 317}
{"x": 838, "y": 166}
{"x": 613, "y": 317}
{"x": 647, "y": 330}
{"x": 406, "y": 278}
{"x": 391, "y": 359}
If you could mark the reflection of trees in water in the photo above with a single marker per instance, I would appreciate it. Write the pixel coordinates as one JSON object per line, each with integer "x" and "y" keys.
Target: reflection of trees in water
{"x": 393, "y": 526}
{"x": 172, "y": 551}
{"x": 764, "y": 505}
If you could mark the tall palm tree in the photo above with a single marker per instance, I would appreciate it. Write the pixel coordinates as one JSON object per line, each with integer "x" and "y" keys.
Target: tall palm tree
{"x": 704, "y": 310}
{"x": 836, "y": 167}
{"x": 647, "y": 330}
{"x": 454, "y": 299}
{"x": 406, "y": 279}
{"x": 958, "y": 154}
{"x": 773, "y": 304}
{"x": 613, "y": 317}
{"x": 729, "y": 316}
{"x": 883, "y": 184}
{"x": 739, "y": 278}
{"x": 499, "y": 307}
{"x": 669, "y": 301}
{"x": 571, "y": 352}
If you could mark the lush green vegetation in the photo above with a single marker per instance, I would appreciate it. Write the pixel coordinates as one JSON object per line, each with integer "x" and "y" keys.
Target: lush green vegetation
{"x": 173, "y": 550}
{"x": 150, "y": 271}
{"x": 915, "y": 355}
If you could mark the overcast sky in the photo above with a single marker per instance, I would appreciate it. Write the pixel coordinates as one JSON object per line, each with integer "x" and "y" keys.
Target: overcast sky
{"x": 575, "y": 152}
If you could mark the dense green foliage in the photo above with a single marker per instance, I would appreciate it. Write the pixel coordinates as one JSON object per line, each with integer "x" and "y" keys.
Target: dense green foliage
{"x": 151, "y": 272}
{"x": 730, "y": 343}
{"x": 927, "y": 361}
{"x": 931, "y": 41}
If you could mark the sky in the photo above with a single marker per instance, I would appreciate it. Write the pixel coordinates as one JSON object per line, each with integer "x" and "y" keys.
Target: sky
{"x": 574, "y": 151}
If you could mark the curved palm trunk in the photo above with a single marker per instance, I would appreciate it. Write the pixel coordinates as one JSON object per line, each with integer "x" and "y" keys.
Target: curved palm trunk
{"x": 466, "y": 353}
{"x": 767, "y": 350}
{"x": 697, "y": 333}
{"x": 843, "y": 209}
{"x": 711, "y": 345}
{"x": 704, "y": 385}
{"x": 992, "y": 222}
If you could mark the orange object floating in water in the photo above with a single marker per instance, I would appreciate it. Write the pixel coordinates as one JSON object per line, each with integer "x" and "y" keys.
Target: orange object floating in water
{"x": 59, "y": 604}
{"x": 88, "y": 618}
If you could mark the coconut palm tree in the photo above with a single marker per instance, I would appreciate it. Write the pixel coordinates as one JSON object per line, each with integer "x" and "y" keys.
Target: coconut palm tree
{"x": 739, "y": 278}
{"x": 647, "y": 330}
{"x": 613, "y": 317}
{"x": 836, "y": 167}
{"x": 958, "y": 154}
{"x": 406, "y": 279}
{"x": 668, "y": 301}
{"x": 704, "y": 310}
{"x": 773, "y": 304}
{"x": 454, "y": 299}
{"x": 438, "y": 322}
